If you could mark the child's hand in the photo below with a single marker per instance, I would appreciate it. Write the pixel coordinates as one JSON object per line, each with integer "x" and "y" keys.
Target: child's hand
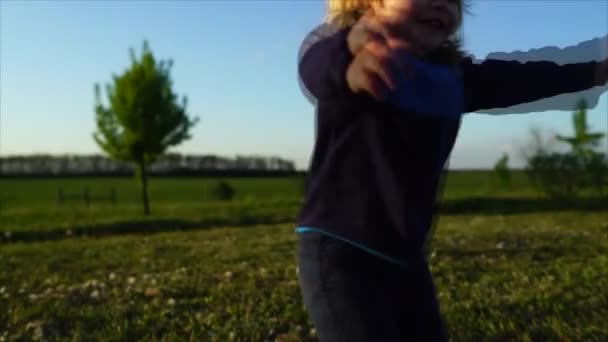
{"x": 601, "y": 73}
{"x": 374, "y": 28}
{"x": 376, "y": 64}
{"x": 375, "y": 70}
{"x": 366, "y": 30}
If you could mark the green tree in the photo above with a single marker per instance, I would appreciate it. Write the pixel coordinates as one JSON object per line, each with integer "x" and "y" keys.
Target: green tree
{"x": 502, "y": 170}
{"x": 583, "y": 145}
{"x": 583, "y": 142}
{"x": 143, "y": 117}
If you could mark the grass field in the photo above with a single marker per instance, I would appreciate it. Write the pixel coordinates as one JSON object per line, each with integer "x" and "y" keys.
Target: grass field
{"x": 509, "y": 265}
{"x": 43, "y": 192}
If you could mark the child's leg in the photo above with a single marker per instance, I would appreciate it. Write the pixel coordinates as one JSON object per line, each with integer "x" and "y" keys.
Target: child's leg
{"x": 352, "y": 295}
{"x": 340, "y": 290}
{"x": 419, "y": 308}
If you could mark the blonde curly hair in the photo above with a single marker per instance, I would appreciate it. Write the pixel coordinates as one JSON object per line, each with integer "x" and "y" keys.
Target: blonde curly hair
{"x": 344, "y": 13}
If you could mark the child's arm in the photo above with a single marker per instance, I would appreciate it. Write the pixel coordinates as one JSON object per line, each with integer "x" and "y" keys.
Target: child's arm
{"x": 432, "y": 91}
{"x": 502, "y": 84}
{"x": 323, "y": 61}
{"x": 350, "y": 61}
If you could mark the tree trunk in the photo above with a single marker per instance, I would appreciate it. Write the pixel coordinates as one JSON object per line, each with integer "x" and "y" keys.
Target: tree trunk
{"x": 142, "y": 177}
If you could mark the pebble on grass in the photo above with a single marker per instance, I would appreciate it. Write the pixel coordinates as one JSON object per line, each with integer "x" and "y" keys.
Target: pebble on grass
{"x": 152, "y": 292}
{"x": 37, "y": 327}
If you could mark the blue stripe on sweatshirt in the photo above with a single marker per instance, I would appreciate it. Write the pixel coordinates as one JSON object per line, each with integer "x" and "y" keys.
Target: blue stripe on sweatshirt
{"x": 356, "y": 244}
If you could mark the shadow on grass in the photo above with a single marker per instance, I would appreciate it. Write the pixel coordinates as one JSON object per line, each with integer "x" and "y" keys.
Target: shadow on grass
{"x": 140, "y": 227}
{"x": 511, "y": 206}
{"x": 479, "y": 205}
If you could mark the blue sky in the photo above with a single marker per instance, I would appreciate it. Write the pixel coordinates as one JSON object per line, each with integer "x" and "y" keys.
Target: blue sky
{"x": 236, "y": 61}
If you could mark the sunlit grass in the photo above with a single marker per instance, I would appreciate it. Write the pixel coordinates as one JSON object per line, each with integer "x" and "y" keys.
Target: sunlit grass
{"x": 522, "y": 277}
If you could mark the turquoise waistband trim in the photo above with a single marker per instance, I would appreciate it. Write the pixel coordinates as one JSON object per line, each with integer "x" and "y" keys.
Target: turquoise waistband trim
{"x": 356, "y": 244}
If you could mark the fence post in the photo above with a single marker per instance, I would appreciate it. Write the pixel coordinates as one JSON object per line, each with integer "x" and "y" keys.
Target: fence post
{"x": 60, "y": 196}
{"x": 113, "y": 196}
{"x": 87, "y": 197}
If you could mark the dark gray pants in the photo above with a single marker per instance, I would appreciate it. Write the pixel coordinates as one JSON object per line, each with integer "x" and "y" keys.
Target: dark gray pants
{"x": 352, "y": 295}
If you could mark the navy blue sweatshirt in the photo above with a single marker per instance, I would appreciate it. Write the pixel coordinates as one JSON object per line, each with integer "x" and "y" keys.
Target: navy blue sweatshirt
{"x": 376, "y": 168}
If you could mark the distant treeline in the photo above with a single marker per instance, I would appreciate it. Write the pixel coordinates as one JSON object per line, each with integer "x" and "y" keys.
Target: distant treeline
{"x": 167, "y": 165}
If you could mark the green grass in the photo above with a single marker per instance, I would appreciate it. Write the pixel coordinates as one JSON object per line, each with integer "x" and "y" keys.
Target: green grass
{"x": 28, "y": 224}
{"x": 40, "y": 193}
{"x": 508, "y": 263}
{"x": 519, "y": 277}
{"x": 30, "y": 210}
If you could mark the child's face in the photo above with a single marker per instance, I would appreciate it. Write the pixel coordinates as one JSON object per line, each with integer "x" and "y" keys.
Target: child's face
{"x": 425, "y": 23}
